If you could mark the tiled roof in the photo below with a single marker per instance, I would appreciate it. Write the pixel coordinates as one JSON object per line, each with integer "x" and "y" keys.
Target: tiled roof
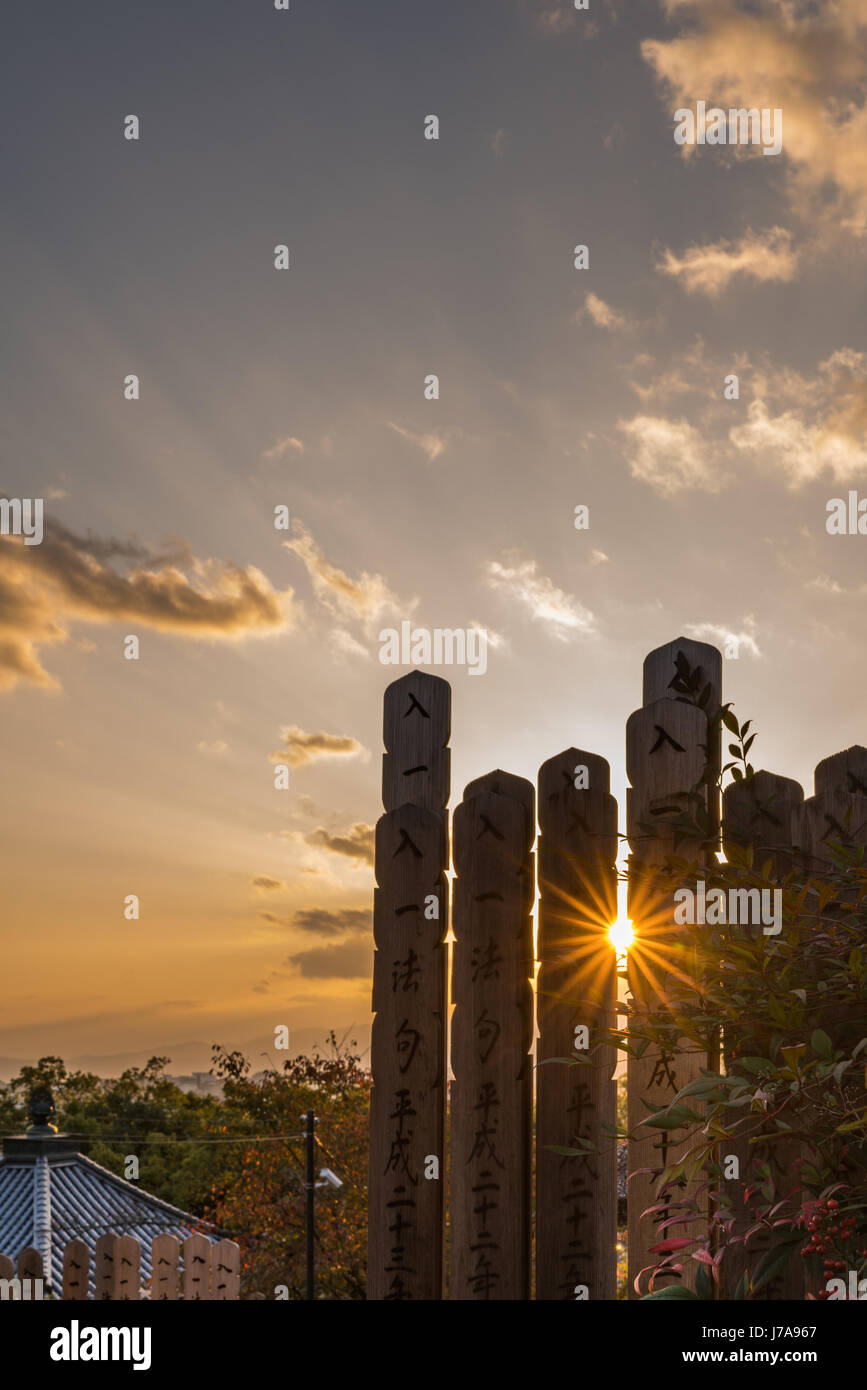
{"x": 48, "y": 1200}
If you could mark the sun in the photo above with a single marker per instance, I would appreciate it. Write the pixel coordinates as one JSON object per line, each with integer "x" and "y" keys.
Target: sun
{"x": 620, "y": 934}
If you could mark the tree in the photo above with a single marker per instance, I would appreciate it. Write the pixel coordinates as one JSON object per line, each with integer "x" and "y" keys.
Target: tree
{"x": 263, "y": 1198}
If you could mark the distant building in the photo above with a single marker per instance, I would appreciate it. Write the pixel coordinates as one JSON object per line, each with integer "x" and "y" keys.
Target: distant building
{"x": 51, "y": 1194}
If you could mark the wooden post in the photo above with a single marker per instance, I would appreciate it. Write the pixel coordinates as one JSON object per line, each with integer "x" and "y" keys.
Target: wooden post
{"x": 76, "y": 1265}
{"x": 127, "y": 1264}
{"x": 670, "y": 751}
{"x": 165, "y": 1255}
{"x": 837, "y": 814}
{"x": 197, "y": 1268}
{"x": 31, "y": 1266}
{"x": 492, "y": 1029}
{"x": 759, "y": 813}
{"x": 225, "y": 1270}
{"x": 576, "y": 1196}
{"x": 103, "y": 1266}
{"x": 410, "y": 922}
{"x": 7, "y": 1268}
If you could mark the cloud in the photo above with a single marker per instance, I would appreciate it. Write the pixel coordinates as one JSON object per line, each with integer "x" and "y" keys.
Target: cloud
{"x": 432, "y": 444}
{"x": 365, "y": 599}
{"x": 661, "y": 388}
{"x": 344, "y": 962}
{"x": 709, "y": 269}
{"x": 495, "y": 640}
{"x": 344, "y": 644}
{"x": 825, "y": 585}
{"x": 498, "y": 143}
{"x": 598, "y": 557}
{"x": 601, "y": 313}
{"x": 334, "y": 922}
{"x": 559, "y": 611}
{"x": 265, "y": 884}
{"x": 215, "y": 748}
{"x": 284, "y": 446}
{"x": 300, "y": 748}
{"x": 44, "y": 589}
{"x": 554, "y": 17}
{"x": 724, "y": 636}
{"x": 670, "y": 455}
{"x": 321, "y": 921}
{"x": 355, "y": 844}
{"x": 826, "y": 432}
{"x": 810, "y": 61}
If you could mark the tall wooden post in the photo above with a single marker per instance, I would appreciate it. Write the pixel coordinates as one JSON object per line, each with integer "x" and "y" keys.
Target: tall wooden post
{"x": 759, "y": 813}
{"x": 576, "y": 1195}
{"x": 672, "y": 762}
{"x": 410, "y": 921}
{"x": 492, "y": 1032}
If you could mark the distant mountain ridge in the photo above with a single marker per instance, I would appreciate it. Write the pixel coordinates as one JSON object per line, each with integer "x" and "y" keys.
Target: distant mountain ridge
{"x": 186, "y": 1057}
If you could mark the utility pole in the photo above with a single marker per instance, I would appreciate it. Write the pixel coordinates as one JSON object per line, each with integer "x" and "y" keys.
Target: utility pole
{"x": 309, "y": 1125}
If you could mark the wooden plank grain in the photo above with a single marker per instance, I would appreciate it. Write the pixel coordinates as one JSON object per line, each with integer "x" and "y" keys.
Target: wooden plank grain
{"x": 672, "y": 762}
{"x": 408, "y": 1037}
{"x": 576, "y": 1196}
{"x": 492, "y": 1023}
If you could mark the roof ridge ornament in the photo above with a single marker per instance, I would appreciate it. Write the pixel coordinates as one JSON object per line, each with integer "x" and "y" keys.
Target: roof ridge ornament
{"x": 40, "y": 1108}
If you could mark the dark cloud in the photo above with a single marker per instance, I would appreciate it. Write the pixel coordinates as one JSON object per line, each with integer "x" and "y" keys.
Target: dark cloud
{"x": 324, "y": 921}
{"x": 355, "y": 844}
{"x": 264, "y": 884}
{"x": 348, "y": 961}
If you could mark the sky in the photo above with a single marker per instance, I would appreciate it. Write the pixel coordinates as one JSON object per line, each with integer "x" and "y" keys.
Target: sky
{"x": 304, "y": 388}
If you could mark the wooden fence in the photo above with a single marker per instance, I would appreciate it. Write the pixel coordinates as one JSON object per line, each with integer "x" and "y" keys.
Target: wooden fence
{"x": 197, "y": 1269}
{"x": 474, "y": 1138}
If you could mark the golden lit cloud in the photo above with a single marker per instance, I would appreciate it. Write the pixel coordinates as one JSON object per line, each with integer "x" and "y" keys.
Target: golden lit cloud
{"x": 670, "y": 455}
{"x": 601, "y": 313}
{"x": 827, "y": 431}
{"x": 46, "y": 588}
{"x": 364, "y": 599}
{"x": 810, "y": 62}
{"x": 282, "y": 447}
{"x": 710, "y": 269}
{"x": 559, "y": 612}
{"x": 432, "y": 444}
{"x": 300, "y": 748}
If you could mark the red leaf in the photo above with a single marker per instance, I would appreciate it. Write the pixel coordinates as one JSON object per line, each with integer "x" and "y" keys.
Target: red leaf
{"x": 673, "y": 1243}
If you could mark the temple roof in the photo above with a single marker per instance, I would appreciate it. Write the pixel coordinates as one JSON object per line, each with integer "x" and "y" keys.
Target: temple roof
{"x": 51, "y": 1194}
